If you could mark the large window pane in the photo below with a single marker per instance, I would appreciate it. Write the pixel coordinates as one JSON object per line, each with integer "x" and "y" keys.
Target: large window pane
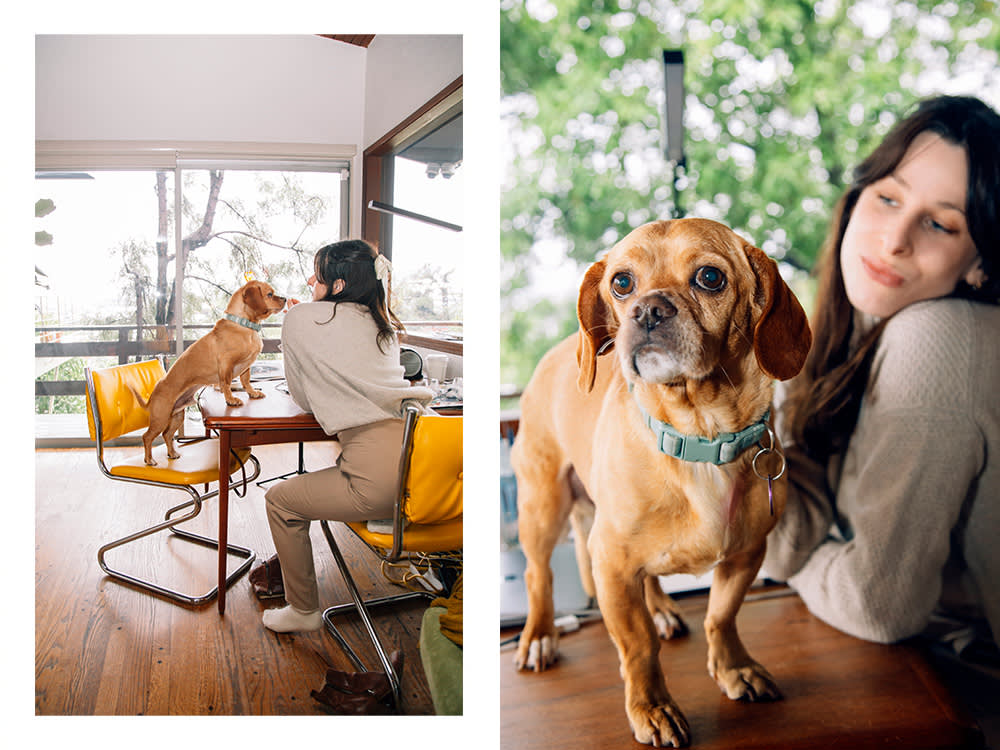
{"x": 268, "y": 223}
{"x": 103, "y": 238}
{"x": 427, "y": 259}
{"x": 106, "y": 260}
{"x": 427, "y": 180}
{"x": 97, "y": 247}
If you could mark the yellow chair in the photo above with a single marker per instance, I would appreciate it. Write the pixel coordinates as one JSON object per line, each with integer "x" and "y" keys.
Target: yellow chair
{"x": 427, "y": 523}
{"x": 112, "y": 411}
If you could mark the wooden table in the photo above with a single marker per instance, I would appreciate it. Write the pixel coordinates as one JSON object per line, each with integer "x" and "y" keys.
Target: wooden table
{"x": 838, "y": 691}
{"x": 273, "y": 419}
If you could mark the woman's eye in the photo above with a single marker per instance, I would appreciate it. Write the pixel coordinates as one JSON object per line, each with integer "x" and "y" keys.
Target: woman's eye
{"x": 622, "y": 284}
{"x": 710, "y": 278}
{"x": 940, "y": 227}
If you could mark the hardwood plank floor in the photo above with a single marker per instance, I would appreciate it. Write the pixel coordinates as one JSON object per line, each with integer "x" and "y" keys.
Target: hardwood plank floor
{"x": 104, "y": 648}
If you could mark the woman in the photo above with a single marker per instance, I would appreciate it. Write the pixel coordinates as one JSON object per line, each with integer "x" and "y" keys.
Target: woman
{"x": 341, "y": 363}
{"x": 892, "y": 430}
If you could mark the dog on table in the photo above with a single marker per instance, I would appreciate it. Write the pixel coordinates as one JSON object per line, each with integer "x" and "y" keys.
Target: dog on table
{"x": 649, "y": 431}
{"x": 225, "y": 352}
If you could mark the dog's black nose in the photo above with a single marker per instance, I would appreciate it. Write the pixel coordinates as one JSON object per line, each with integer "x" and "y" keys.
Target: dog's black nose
{"x": 650, "y": 311}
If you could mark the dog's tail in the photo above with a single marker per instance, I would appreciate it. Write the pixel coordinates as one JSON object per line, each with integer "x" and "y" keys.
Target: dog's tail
{"x": 138, "y": 397}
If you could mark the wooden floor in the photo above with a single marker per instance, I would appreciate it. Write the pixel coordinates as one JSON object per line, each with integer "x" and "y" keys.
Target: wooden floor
{"x": 103, "y": 648}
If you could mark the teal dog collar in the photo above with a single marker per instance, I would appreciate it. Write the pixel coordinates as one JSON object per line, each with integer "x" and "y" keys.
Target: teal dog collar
{"x": 722, "y": 449}
{"x": 242, "y": 321}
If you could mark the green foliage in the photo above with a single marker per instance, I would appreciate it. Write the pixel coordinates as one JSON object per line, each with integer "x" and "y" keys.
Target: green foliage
{"x": 426, "y": 294}
{"x": 783, "y": 98}
{"x": 71, "y": 369}
{"x": 527, "y": 334}
{"x": 43, "y": 207}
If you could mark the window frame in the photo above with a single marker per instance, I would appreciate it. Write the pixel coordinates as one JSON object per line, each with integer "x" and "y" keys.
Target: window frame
{"x": 376, "y": 169}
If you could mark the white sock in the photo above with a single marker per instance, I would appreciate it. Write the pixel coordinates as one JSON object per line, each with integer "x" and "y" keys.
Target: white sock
{"x": 288, "y": 619}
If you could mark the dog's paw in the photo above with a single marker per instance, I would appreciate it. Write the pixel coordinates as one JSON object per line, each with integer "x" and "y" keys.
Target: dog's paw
{"x": 255, "y": 394}
{"x": 173, "y": 455}
{"x": 750, "y": 682}
{"x": 660, "y": 726}
{"x": 669, "y": 625}
{"x": 234, "y": 401}
{"x": 150, "y": 461}
{"x": 537, "y": 654}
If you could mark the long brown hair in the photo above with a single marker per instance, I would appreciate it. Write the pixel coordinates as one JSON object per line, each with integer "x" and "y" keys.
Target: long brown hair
{"x": 823, "y": 401}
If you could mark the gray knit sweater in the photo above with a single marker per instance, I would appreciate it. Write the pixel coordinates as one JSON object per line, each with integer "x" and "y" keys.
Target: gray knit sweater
{"x": 901, "y": 534}
{"x": 335, "y": 369}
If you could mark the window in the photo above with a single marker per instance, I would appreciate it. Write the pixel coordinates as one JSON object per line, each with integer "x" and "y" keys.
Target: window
{"x": 267, "y": 223}
{"x": 106, "y": 248}
{"x": 414, "y": 200}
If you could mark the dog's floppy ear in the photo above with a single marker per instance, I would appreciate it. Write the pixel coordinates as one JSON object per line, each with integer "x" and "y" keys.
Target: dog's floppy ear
{"x": 253, "y": 298}
{"x": 597, "y": 325}
{"x": 782, "y": 337}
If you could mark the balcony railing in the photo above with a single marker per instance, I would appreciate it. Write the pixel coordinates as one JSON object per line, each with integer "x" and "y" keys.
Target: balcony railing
{"x": 125, "y": 343}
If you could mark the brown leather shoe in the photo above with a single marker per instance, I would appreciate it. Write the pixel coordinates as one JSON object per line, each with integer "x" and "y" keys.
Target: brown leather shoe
{"x": 359, "y": 692}
{"x": 373, "y": 683}
{"x": 348, "y": 704}
{"x": 266, "y": 579}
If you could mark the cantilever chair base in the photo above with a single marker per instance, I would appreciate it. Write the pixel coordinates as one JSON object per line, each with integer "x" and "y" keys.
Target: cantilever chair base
{"x": 112, "y": 411}
{"x": 361, "y": 607}
{"x": 427, "y": 520}
{"x": 246, "y": 554}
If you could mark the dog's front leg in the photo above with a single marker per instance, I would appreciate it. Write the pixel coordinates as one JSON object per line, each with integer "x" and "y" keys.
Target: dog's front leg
{"x": 225, "y": 382}
{"x": 729, "y": 664}
{"x": 655, "y": 718}
{"x": 251, "y": 391}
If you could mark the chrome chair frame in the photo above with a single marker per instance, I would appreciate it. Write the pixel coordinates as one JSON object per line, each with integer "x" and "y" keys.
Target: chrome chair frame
{"x": 170, "y": 523}
{"x": 358, "y": 603}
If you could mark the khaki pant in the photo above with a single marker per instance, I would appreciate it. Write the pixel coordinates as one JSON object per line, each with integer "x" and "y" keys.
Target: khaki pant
{"x": 361, "y": 487}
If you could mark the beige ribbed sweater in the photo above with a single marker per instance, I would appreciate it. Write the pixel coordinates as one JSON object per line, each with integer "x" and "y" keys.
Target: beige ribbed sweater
{"x": 336, "y": 370}
{"x": 916, "y": 530}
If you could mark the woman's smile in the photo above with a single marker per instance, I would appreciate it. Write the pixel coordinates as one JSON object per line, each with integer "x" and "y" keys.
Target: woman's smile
{"x": 881, "y": 273}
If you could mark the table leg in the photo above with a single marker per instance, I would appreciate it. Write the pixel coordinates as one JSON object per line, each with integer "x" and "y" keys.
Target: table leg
{"x": 225, "y": 440}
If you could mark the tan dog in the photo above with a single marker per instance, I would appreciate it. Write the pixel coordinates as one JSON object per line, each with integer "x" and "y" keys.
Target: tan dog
{"x": 216, "y": 358}
{"x": 700, "y": 323}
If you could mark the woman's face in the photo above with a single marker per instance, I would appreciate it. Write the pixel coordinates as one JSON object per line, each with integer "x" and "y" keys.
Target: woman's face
{"x": 907, "y": 239}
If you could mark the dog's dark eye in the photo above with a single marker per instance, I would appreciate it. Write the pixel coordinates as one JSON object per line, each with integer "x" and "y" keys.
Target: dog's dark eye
{"x": 622, "y": 284}
{"x": 710, "y": 279}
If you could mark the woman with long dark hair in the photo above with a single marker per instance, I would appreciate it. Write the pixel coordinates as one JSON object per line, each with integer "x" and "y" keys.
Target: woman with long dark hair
{"x": 892, "y": 430}
{"x": 341, "y": 357}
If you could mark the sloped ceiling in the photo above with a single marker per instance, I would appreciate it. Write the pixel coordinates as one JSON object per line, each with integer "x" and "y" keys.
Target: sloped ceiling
{"x": 359, "y": 40}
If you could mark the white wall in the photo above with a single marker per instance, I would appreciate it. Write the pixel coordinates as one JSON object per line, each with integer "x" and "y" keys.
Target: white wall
{"x": 302, "y": 89}
{"x": 297, "y": 89}
{"x": 403, "y": 73}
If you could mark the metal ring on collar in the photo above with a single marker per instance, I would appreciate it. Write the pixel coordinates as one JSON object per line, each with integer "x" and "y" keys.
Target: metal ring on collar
{"x": 769, "y": 449}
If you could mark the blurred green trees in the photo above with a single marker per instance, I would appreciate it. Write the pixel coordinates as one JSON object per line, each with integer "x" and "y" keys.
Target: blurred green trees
{"x": 783, "y": 98}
